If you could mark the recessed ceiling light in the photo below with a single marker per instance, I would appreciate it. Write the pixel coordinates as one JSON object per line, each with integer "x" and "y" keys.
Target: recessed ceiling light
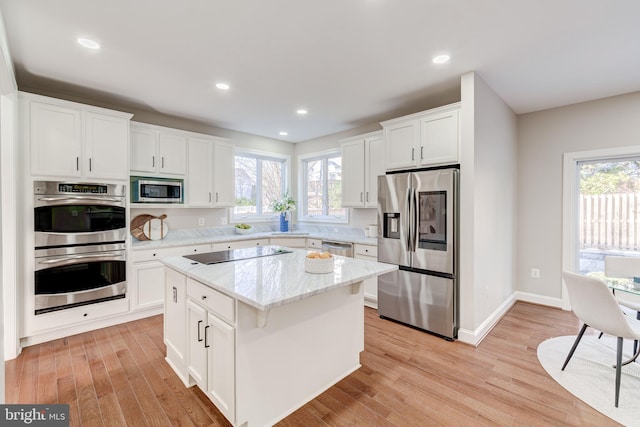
{"x": 89, "y": 44}
{"x": 222, "y": 86}
{"x": 302, "y": 111}
{"x": 440, "y": 59}
{"x": 283, "y": 133}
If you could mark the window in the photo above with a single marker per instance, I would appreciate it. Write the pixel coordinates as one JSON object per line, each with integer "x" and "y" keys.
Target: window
{"x": 321, "y": 189}
{"x": 260, "y": 179}
{"x": 608, "y": 201}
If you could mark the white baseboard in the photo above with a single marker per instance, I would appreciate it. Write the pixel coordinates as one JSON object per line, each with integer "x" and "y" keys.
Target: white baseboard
{"x": 538, "y": 299}
{"x": 476, "y": 336}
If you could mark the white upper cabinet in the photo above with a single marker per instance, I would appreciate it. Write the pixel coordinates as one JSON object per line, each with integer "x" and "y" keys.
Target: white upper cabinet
{"x": 107, "y": 146}
{"x": 157, "y": 151}
{"x": 353, "y": 173}
{"x": 439, "y": 138}
{"x": 200, "y": 181}
{"x": 211, "y": 172}
{"x": 363, "y": 159}
{"x": 429, "y": 138}
{"x": 224, "y": 175}
{"x": 76, "y": 141}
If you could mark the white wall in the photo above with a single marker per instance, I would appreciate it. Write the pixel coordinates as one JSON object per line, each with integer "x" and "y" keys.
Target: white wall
{"x": 543, "y": 138}
{"x": 8, "y": 319}
{"x": 488, "y": 206}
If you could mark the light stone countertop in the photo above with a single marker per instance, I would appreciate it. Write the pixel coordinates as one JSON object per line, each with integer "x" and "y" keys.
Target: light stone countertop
{"x": 196, "y": 236}
{"x": 271, "y": 281}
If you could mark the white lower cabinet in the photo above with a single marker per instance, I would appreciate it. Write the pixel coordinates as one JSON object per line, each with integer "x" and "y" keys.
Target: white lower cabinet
{"x": 289, "y": 242}
{"x": 314, "y": 244}
{"x": 211, "y": 360}
{"x": 223, "y": 246}
{"x": 175, "y": 322}
{"x": 147, "y": 279}
{"x": 368, "y": 252}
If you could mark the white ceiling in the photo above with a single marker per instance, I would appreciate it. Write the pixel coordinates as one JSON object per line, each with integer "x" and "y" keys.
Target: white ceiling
{"x": 349, "y": 62}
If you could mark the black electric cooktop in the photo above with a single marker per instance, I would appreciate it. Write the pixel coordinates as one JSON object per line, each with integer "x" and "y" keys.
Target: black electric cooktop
{"x": 237, "y": 254}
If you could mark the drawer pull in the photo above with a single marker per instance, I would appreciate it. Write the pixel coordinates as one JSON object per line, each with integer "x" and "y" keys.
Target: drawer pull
{"x": 204, "y": 297}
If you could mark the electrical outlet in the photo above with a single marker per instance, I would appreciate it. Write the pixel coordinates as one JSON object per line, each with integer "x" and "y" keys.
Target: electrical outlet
{"x": 535, "y": 273}
{"x": 223, "y": 220}
{"x": 200, "y": 221}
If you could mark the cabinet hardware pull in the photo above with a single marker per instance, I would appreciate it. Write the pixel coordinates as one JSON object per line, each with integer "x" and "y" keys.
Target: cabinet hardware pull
{"x": 206, "y": 344}
{"x": 209, "y": 196}
{"x": 77, "y": 163}
{"x": 153, "y": 161}
{"x": 413, "y": 150}
{"x": 199, "y": 339}
{"x": 204, "y": 297}
{"x": 367, "y": 197}
{"x": 89, "y": 164}
{"x": 421, "y": 153}
{"x": 361, "y": 197}
{"x": 175, "y": 294}
{"x": 216, "y": 197}
{"x": 162, "y": 162}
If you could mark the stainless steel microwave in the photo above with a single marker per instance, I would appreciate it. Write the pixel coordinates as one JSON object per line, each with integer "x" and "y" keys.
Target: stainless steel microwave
{"x": 157, "y": 190}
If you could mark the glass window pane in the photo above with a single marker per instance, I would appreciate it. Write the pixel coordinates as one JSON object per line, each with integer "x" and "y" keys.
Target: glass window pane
{"x": 246, "y": 186}
{"x": 334, "y": 183}
{"x": 259, "y": 181}
{"x": 272, "y": 183}
{"x": 315, "y": 187}
{"x": 607, "y": 203}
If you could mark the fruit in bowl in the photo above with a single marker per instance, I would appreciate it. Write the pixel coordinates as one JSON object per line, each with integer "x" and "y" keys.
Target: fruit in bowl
{"x": 319, "y": 255}
{"x": 318, "y": 262}
{"x": 243, "y": 228}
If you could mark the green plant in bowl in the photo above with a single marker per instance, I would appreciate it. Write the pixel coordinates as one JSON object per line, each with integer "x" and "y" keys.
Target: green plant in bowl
{"x": 243, "y": 228}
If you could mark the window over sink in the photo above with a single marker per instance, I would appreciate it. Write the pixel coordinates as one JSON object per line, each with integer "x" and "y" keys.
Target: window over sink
{"x": 321, "y": 188}
{"x": 260, "y": 179}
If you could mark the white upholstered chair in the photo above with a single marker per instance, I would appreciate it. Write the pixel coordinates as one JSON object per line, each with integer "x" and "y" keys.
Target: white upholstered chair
{"x": 594, "y": 304}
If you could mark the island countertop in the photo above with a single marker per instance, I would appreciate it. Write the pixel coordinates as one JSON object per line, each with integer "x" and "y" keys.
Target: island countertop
{"x": 271, "y": 281}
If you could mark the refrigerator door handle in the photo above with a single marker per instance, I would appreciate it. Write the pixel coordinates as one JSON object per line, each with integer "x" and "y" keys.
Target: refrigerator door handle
{"x": 414, "y": 223}
{"x": 409, "y": 194}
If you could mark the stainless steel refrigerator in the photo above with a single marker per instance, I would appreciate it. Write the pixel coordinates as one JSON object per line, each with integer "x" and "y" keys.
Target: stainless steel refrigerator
{"x": 418, "y": 231}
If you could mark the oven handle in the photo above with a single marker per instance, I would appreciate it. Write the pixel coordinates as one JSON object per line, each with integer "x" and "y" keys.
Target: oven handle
{"x": 79, "y": 257}
{"x": 75, "y": 198}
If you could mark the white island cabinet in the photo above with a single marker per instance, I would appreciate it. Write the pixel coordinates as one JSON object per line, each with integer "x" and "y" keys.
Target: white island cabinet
{"x": 262, "y": 337}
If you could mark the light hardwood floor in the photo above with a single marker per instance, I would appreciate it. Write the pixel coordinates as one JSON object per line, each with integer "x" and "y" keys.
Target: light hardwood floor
{"x": 117, "y": 376}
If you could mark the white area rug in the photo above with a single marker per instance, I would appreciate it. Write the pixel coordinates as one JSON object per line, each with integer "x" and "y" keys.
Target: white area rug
{"x": 590, "y": 376}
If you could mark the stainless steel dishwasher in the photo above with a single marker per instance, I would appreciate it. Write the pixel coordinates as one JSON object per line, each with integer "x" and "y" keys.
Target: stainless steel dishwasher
{"x": 338, "y": 248}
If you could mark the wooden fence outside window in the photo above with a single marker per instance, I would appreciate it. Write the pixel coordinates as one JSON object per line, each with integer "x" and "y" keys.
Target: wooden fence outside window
{"x": 610, "y": 221}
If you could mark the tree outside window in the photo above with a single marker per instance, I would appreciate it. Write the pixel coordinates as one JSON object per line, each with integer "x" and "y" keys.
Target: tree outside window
{"x": 259, "y": 181}
{"x": 322, "y": 188}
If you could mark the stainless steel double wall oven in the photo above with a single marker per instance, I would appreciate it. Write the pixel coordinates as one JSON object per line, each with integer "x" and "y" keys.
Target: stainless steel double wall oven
{"x": 79, "y": 236}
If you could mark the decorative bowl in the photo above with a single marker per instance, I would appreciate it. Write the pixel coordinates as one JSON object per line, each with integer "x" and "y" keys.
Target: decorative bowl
{"x": 318, "y": 265}
{"x": 243, "y": 230}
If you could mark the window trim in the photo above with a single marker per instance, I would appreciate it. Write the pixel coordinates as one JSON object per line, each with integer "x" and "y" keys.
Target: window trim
{"x": 302, "y": 180}
{"x": 570, "y": 191}
{"x": 286, "y": 181}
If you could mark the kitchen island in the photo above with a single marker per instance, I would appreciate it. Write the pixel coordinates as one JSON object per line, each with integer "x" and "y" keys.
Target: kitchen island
{"x": 260, "y": 336}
